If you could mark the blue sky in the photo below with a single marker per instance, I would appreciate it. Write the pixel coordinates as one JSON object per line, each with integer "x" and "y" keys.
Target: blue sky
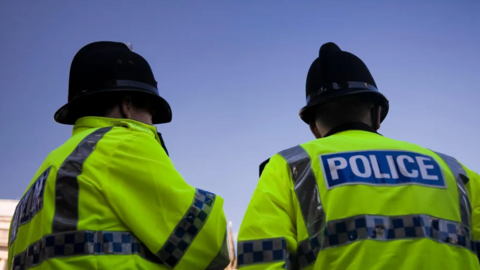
{"x": 234, "y": 73}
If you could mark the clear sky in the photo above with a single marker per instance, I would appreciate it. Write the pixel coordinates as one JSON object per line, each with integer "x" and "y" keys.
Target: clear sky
{"x": 234, "y": 73}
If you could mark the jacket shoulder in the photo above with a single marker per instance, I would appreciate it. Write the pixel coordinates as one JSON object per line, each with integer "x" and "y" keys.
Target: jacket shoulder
{"x": 287, "y": 154}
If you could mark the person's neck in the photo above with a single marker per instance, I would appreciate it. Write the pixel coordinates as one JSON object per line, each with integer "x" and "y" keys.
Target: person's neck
{"x": 114, "y": 114}
{"x": 348, "y": 126}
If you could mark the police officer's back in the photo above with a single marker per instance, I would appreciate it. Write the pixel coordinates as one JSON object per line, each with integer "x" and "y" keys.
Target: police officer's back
{"x": 110, "y": 197}
{"x": 353, "y": 199}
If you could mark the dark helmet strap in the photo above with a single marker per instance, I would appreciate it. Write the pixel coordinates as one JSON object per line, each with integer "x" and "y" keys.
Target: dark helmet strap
{"x": 162, "y": 142}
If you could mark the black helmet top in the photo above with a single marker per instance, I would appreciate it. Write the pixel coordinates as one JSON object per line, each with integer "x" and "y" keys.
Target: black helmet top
{"x": 335, "y": 74}
{"x": 110, "y": 67}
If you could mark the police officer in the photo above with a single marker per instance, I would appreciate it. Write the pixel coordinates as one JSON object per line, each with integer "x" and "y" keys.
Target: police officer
{"x": 110, "y": 197}
{"x": 353, "y": 199}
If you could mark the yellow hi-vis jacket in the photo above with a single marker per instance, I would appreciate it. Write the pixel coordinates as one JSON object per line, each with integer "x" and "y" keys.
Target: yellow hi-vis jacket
{"x": 355, "y": 201}
{"x": 110, "y": 198}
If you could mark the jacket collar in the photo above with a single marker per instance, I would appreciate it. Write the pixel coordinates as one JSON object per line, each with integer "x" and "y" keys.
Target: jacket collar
{"x": 99, "y": 122}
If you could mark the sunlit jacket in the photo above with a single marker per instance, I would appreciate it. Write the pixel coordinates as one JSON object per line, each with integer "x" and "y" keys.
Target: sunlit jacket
{"x": 110, "y": 198}
{"x": 357, "y": 200}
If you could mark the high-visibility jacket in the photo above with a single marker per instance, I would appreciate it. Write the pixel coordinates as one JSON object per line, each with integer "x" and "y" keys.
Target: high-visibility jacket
{"x": 110, "y": 198}
{"x": 358, "y": 200}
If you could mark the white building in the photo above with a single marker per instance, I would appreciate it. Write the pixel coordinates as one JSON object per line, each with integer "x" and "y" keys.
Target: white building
{"x": 7, "y": 207}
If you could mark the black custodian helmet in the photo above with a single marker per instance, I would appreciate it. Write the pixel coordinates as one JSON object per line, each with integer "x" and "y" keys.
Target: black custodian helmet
{"x": 110, "y": 67}
{"x": 336, "y": 74}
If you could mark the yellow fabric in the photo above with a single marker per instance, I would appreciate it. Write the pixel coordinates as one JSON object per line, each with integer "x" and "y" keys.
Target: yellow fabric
{"x": 473, "y": 188}
{"x": 128, "y": 183}
{"x": 274, "y": 211}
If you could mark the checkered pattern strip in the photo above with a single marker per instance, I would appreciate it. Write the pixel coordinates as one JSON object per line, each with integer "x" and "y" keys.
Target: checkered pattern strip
{"x": 308, "y": 249}
{"x": 184, "y": 234}
{"x": 383, "y": 228}
{"x": 341, "y": 232}
{"x": 81, "y": 243}
{"x": 262, "y": 251}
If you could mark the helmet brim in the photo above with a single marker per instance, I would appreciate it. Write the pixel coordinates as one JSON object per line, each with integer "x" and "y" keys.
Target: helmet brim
{"x": 307, "y": 112}
{"x": 67, "y": 114}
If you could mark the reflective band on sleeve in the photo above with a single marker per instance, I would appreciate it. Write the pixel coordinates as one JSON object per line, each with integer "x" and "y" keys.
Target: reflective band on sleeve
{"x": 66, "y": 185}
{"x": 183, "y": 235}
{"x": 308, "y": 249}
{"x": 462, "y": 179}
{"x": 262, "y": 251}
{"x": 222, "y": 259}
{"x": 384, "y": 228}
{"x": 306, "y": 188}
{"x": 66, "y": 244}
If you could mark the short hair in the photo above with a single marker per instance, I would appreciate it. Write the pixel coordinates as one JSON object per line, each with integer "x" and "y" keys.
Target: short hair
{"x": 353, "y": 108}
{"x": 102, "y": 104}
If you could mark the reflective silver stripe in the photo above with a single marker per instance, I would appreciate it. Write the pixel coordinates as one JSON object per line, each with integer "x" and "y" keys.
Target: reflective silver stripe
{"x": 462, "y": 179}
{"x": 384, "y": 228}
{"x": 308, "y": 196}
{"x": 263, "y": 251}
{"x": 77, "y": 243}
{"x": 306, "y": 188}
{"x": 187, "y": 229}
{"x": 222, "y": 260}
{"x": 66, "y": 185}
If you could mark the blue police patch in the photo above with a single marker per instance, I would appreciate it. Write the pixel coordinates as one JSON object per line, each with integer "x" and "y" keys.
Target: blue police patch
{"x": 29, "y": 205}
{"x": 381, "y": 168}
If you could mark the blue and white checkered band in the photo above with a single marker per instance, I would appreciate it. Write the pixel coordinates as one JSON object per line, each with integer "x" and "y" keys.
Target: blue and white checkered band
{"x": 342, "y": 86}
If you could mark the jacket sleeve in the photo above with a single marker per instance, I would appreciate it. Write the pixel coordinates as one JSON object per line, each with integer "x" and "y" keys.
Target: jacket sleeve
{"x": 268, "y": 233}
{"x": 473, "y": 188}
{"x": 183, "y": 226}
